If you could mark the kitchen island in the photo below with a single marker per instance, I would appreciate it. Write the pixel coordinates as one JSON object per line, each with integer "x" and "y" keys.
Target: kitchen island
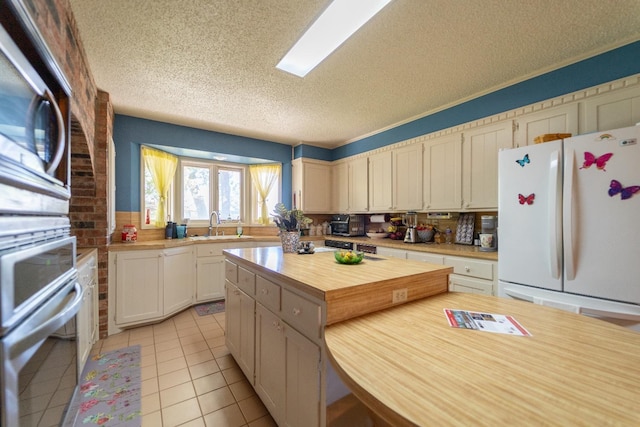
{"x": 278, "y": 305}
{"x": 411, "y": 368}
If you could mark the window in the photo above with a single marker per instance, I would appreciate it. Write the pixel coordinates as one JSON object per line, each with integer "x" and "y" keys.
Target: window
{"x": 208, "y": 187}
{"x": 200, "y": 187}
{"x": 158, "y": 171}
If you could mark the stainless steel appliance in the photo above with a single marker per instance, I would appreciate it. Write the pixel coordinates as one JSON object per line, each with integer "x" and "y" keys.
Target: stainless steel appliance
{"x": 39, "y": 291}
{"x": 34, "y": 149}
{"x": 338, "y": 244}
{"x": 347, "y": 225}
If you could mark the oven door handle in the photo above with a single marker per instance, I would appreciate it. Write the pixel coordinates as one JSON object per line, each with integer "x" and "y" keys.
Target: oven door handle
{"x": 48, "y": 318}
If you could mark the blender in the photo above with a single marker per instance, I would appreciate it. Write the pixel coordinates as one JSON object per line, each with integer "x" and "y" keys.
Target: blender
{"x": 410, "y": 219}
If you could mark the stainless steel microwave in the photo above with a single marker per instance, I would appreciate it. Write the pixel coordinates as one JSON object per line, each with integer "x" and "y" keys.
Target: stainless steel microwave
{"x": 34, "y": 143}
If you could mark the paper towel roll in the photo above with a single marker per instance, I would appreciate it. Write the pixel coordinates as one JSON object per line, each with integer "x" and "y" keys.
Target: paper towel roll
{"x": 377, "y": 218}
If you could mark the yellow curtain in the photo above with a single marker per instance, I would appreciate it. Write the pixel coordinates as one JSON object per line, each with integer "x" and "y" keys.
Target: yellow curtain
{"x": 263, "y": 178}
{"x": 162, "y": 167}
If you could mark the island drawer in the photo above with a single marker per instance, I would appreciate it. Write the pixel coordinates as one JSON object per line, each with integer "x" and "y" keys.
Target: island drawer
{"x": 301, "y": 313}
{"x": 470, "y": 267}
{"x": 268, "y": 293}
{"x": 247, "y": 281}
{"x": 231, "y": 271}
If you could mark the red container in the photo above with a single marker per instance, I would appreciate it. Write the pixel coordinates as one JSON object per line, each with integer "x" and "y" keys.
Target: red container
{"x": 129, "y": 233}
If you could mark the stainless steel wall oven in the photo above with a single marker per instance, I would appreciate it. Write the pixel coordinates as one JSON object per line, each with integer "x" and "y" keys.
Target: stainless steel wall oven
{"x": 39, "y": 291}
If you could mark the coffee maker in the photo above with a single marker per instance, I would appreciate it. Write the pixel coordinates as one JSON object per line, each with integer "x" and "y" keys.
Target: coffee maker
{"x": 410, "y": 219}
{"x": 489, "y": 233}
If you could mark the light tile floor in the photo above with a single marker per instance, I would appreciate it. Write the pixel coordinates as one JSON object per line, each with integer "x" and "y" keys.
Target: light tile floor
{"x": 188, "y": 376}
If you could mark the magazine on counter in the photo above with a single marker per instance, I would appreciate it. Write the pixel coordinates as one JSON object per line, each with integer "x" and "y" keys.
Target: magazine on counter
{"x": 498, "y": 323}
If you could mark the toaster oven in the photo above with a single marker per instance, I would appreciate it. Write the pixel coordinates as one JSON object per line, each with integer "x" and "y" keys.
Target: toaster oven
{"x": 347, "y": 225}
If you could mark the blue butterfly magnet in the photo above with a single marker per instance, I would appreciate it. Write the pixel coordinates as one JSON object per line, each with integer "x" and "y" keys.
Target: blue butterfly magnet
{"x": 524, "y": 160}
{"x": 616, "y": 188}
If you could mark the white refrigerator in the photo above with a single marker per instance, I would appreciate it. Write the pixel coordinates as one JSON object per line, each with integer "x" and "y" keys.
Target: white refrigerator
{"x": 570, "y": 225}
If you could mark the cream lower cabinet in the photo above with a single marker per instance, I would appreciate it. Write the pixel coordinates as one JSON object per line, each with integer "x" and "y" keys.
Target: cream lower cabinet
{"x": 240, "y": 328}
{"x": 152, "y": 284}
{"x": 139, "y": 290}
{"x": 469, "y": 274}
{"x": 284, "y": 362}
{"x": 209, "y": 272}
{"x": 87, "y": 323}
{"x": 178, "y": 277}
{"x": 472, "y": 275}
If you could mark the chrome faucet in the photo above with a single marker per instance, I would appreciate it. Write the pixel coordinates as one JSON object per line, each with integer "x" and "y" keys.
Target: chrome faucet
{"x": 211, "y": 222}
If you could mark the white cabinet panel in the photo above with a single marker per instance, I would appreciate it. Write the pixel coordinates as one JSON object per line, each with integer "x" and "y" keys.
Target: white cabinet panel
{"x": 139, "y": 286}
{"x": 480, "y": 164}
{"x": 380, "y": 182}
{"x": 391, "y": 252}
{"x": 240, "y": 328}
{"x": 358, "y": 185}
{"x": 562, "y": 119}
{"x": 311, "y": 185}
{"x": 209, "y": 278}
{"x": 178, "y": 279}
{"x": 425, "y": 257}
{"x": 442, "y": 185}
{"x": 611, "y": 111}
{"x": 340, "y": 185}
{"x": 407, "y": 177}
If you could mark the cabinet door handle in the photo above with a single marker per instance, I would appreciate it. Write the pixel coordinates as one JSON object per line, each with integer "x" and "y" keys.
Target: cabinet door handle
{"x": 296, "y": 311}
{"x": 264, "y": 291}
{"x": 467, "y": 269}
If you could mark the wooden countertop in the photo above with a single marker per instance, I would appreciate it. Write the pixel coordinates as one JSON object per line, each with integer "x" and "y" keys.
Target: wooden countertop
{"x": 411, "y": 368}
{"x": 348, "y": 290}
{"x": 442, "y": 249}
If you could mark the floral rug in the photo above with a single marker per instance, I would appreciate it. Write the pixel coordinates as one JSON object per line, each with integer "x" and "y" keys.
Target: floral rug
{"x": 109, "y": 390}
{"x": 210, "y": 308}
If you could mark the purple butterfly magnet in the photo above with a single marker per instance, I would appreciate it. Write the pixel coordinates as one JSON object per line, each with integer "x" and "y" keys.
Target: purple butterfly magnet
{"x": 625, "y": 192}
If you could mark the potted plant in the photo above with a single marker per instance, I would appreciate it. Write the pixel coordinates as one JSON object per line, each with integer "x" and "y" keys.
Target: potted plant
{"x": 289, "y": 221}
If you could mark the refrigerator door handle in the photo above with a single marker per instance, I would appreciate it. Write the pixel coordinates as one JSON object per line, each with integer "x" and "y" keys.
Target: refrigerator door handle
{"x": 555, "y": 214}
{"x": 567, "y": 226}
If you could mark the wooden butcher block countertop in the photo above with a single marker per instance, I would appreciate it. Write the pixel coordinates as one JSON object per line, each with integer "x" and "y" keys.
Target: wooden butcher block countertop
{"x": 348, "y": 290}
{"x": 411, "y": 368}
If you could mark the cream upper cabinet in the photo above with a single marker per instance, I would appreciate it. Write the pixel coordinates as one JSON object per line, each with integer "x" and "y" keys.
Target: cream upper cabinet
{"x": 611, "y": 111}
{"x": 340, "y": 185}
{"x": 442, "y": 184}
{"x": 380, "y": 182}
{"x": 358, "y": 185}
{"x": 480, "y": 148}
{"x": 407, "y": 177}
{"x": 553, "y": 120}
{"x": 311, "y": 186}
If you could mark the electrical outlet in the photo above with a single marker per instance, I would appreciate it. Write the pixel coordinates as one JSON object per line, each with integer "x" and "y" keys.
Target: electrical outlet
{"x": 399, "y": 295}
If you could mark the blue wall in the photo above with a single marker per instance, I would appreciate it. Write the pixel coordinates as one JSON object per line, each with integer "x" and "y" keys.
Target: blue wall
{"x": 130, "y": 132}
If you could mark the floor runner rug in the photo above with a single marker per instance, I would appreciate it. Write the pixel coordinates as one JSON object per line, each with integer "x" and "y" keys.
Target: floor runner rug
{"x": 210, "y": 308}
{"x": 109, "y": 390}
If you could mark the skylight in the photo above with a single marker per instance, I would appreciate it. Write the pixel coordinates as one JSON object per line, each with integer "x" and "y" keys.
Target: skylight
{"x": 336, "y": 24}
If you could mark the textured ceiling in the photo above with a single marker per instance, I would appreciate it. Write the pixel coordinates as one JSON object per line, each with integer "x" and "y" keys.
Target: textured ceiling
{"x": 210, "y": 64}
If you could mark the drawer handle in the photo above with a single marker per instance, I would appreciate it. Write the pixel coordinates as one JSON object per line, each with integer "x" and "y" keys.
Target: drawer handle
{"x": 264, "y": 291}
{"x": 296, "y": 311}
{"x": 467, "y": 269}
{"x": 277, "y": 325}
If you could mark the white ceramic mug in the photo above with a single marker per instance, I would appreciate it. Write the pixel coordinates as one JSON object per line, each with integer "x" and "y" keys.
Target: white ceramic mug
{"x": 486, "y": 240}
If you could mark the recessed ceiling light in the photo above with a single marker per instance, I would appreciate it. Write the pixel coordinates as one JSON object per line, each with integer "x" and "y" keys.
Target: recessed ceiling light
{"x": 336, "y": 24}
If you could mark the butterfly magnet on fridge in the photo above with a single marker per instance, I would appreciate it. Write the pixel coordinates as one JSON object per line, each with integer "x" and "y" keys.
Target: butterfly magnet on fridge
{"x": 524, "y": 160}
{"x": 600, "y": 162}
{"x": 616, "y": 188}
{"x": 526, "y": 199}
